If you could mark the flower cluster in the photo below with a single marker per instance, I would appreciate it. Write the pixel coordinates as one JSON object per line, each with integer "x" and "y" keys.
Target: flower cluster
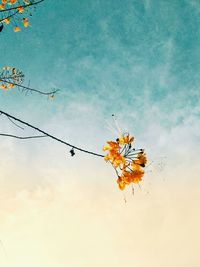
{"x": 10, "y": 77}
{"x": 128, "y": 162}
{"x": 15, "y": 12}
{"x": 13, "y": 78}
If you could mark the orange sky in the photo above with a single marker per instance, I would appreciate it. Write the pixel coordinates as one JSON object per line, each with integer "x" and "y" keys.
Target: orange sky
{"x": 76, "y": 222}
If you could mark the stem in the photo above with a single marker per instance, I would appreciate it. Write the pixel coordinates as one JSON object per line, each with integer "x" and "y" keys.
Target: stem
{"x": 15, "y": 123}
{"x": 116, "y": 172}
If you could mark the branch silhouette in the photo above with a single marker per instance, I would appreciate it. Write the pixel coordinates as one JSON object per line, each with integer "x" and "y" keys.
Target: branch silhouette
{"x": 46, "y": 135}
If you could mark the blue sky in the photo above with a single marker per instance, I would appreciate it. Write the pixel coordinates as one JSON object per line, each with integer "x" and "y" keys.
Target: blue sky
{"x": 139, "y": 60}
{"x": 133, "y": 55}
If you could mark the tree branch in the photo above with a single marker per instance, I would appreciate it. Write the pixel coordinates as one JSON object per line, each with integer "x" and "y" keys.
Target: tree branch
{"x": 31, "y": 89}
{"x": 51, "y": 136}
{"x": 33, "y": 3}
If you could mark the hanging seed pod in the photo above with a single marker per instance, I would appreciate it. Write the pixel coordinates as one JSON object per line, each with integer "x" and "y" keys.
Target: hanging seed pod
{"x": 72, "y": 152}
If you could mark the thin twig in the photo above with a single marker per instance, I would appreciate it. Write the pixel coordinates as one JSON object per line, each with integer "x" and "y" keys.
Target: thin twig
{"x": 22, "y": 137}
{"x": 15, "y": 123}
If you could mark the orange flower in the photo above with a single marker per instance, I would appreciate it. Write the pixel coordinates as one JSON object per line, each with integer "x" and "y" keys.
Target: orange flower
{"x": 126, "y": 161}
{"x": 141, "y": 160}
{"x": 125, "y": 139}
{"x": 114, "y": 156}
{"x": 133, "y": 176}
{"x": 121, "y": 183}
{"x": 137, "y": 176}
{"x": 11, "y": 85}
{"x": 2, "y": 6}
{"x": 115, "y": 159}
{"x": 25, "y": 22}
{"x": 12, "y": 2}
{"x": 135, "y": 166}
{"x": 118, "y": 160}
{"x": 20, "y": 9}
{"x": 6, "y": 20}
{"x": 3, "y": 86}
{"x": 107, "y": 157}
{"x": 3, "y": 1}
{"x": 129, "y": 177}
{"x": 126, "y": 177}
{"x": 112, "y": 146}
{"x": 16, "y": 29}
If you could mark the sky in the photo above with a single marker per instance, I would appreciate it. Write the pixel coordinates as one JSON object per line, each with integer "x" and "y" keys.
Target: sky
{"x": 136, "y": 59}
